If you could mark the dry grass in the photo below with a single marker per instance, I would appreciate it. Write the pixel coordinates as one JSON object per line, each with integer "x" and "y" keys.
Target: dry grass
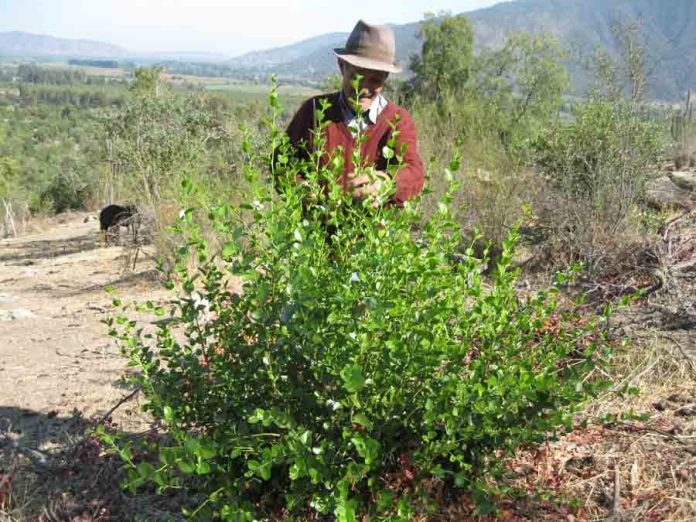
{"x": 631, "y": 458}
{"x": 653, "y": 454}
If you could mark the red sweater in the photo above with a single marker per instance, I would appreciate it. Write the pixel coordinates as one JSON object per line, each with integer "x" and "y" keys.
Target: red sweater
{"x": 409, "y": 178}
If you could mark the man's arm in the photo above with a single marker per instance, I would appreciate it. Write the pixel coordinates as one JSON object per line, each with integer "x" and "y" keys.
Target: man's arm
{"x": 410, "y": 178}
{"x": 300, "y": 129}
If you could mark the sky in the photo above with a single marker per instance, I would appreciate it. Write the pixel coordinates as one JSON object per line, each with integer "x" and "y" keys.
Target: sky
{"x": 229, "y": 27}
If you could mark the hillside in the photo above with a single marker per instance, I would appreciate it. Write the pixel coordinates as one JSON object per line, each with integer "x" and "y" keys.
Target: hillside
{"x": 19, "y": 44}
{"x": 581, "y": 25}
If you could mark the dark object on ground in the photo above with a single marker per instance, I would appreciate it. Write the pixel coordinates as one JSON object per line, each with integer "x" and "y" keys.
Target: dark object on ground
{"x": 115, "y": 216}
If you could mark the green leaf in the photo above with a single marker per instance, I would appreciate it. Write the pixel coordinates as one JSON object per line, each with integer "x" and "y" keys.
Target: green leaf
{"x": 229, "y": 250}
{"x": 167, "y": 456}
{"x": 362, "y": 420}
{"x": 145, "y": 469}
{"x": 203, "y": 467}
{"x": 192, "y": 446}
{"x": 306, "y": 438}
{"x": 168, "y": 413}
{"x": 367, "y": 448}
{"x": 345, "y": 512}
{"x": 207, "y": 451}
{"x": 259, "y": 469}
{"x": 125, "y": 453}
{"x": 186, "y": 466}
{"x": 353, "y": 379}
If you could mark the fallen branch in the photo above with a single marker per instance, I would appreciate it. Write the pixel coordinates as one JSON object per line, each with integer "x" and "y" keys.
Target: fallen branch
{"x": 673, "y": 222}
{"x": 118, "y": 405}
{"x": 681, "y": 439}
{"x": 616, "y": 507}
{"x": 689, "y": 360}
{"x": 615, "y": 514}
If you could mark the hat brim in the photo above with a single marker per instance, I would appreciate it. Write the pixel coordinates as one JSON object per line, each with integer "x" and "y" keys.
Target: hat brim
{"x": 367, "y": 63}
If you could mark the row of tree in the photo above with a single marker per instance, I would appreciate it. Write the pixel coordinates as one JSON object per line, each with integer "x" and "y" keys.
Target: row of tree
{"x": 79, "y": 96}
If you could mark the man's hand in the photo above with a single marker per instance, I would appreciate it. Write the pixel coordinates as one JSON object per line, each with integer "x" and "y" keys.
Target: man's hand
{"x": 368, "y": 184}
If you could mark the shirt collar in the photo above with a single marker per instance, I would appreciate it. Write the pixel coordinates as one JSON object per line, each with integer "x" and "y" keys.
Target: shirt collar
{"x": 370, "y": 114}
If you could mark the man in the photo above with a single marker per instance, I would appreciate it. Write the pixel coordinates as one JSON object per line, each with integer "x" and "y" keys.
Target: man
{"x": 369, "y": 53}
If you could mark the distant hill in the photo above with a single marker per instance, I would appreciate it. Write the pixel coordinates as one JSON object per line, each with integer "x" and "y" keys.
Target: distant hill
{"x": 581, "y": 25}
{"x": 188, "y": 56}
{"x": 19, "y": 44}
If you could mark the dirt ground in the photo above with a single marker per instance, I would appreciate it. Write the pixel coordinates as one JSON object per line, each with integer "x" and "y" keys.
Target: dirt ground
{"x": 55, "y": 356}
{"x": 59, "y": 371}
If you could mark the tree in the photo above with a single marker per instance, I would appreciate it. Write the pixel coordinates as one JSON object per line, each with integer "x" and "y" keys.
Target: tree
{"x": 9, "y": 173}
{"x": 521, "y": 84}
{"x": 446, "y": 58}
{"x": 627, "y": 74}
{"x": 148, "y": 81}
{"x": 158, "y": 135}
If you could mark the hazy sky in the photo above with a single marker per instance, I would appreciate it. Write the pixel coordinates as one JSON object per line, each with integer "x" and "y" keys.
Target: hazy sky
{"x": 224, "y": 26}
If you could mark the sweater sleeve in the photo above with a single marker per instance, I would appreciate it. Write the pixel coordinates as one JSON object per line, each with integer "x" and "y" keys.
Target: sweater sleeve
{"x": 301, "y": 127}
{"x": 410, "y": 178}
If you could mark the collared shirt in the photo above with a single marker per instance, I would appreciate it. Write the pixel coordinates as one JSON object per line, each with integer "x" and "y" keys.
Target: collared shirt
{"x": 369, "y": 116}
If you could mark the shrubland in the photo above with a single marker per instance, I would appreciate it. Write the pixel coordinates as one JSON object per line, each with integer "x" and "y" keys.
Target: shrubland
{"x": 578, "y": 168}
{"x": 502, "y": 109}
{"x": 320, "y": 359}
{"x": 47, "y": 156}
{"x": 320, "y": 356}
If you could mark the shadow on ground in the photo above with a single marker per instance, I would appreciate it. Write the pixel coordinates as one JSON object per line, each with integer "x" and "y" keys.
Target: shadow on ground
{"x": 150, "y": 277}
{"x": 52, "y": 469}
{"x": 32, "y": 251}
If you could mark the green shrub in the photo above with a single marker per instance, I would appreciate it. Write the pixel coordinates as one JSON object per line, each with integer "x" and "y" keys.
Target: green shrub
{"x": 324, "y": 360}
{"x": 48, "y": 156}
{"x": 66, "y": 191}
{"x": 597, "y": 165}
{"x": 491, "y": 107}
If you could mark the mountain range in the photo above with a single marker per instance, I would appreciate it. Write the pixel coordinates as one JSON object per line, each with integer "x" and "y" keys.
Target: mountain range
{"x": 20, "y": 44}
{"x": 668, "y": 28}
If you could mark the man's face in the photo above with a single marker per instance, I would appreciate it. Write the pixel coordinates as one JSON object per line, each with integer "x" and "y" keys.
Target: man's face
{"x": 371, "y": 81}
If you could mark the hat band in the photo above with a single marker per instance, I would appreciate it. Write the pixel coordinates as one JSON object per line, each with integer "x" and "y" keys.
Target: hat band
{"x": 371, "y": 53}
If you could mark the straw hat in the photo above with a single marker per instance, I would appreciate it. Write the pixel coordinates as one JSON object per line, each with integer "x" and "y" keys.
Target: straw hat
{"x": 370, "y": 47}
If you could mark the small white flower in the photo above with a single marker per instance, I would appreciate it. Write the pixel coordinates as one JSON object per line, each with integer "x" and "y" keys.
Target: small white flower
{"x": 354, "y": 278}
{"x": 202, "y": 306}
{"x": 333, "y": 404}
{"x": 199, "y": 300}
